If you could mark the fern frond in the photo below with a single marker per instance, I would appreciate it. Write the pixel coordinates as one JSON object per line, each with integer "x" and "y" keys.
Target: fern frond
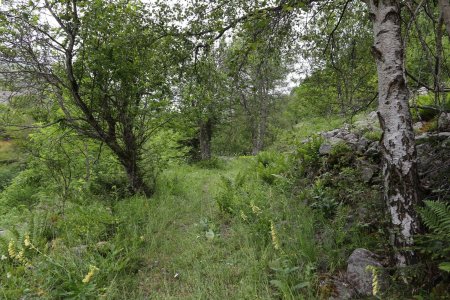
{"x": 436, "y": 216}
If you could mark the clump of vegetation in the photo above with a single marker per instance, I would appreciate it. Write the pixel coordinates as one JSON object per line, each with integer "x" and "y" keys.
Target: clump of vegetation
{"x": 271, "y": 165}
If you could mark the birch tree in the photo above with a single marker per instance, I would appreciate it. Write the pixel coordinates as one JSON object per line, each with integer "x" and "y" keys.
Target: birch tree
{"x": 397, "y": 142}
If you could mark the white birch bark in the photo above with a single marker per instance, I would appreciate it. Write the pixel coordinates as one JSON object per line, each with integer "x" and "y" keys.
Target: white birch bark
{"x": 397, "y": 144}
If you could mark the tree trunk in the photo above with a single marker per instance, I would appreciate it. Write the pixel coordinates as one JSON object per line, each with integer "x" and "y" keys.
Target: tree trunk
{"x": 205, "y": 136}
{"x": 259, "y": 130}
{"x": 135, "y": 178}
{"x": 444, "y": 6}
{"x": 438, "y": 63}
{"x": 397, "y": 144}
{"x": 258, "y": 137}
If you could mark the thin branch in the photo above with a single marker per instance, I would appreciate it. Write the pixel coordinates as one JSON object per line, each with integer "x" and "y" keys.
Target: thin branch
{"x": 442, "y": 90}
{"x": 341, "y": 16}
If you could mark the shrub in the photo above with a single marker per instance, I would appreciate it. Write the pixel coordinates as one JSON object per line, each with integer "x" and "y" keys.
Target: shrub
{"x": 374, "y": 135}
{"x": 269, "y": 165}
{"x": 341, "y": 155}
{"x": 212, "y": 163}
{"x": 307, "y": 158}
{"x": 322, "y": 200}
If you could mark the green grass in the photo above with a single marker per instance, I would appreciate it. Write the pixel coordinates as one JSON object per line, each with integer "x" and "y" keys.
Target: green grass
{"x": 159, "y": 248}
{"x": 228, "y": 266}
{"x": 260, "y": 243}
{"x": 311, "y": 126}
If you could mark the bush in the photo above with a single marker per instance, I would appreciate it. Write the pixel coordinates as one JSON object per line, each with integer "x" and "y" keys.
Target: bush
{"x": 212, "y": 163}
{"x": 373, "y": 136}
{"x": 341, "y": 155}
{"x": 270, "y": 165}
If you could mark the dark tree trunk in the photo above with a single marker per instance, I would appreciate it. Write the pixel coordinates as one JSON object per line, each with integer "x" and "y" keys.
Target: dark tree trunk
{"x": 205, "y": 135}
{"x": 444, "y": 6}
{"x": 135, "y": 177}
{"x": 397, "y": 144}
{"x": 130, "y": 158}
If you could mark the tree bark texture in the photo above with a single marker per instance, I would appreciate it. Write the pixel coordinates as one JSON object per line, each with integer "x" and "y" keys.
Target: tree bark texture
{"x": 135, "y": 178}
{"x": 444, "y": 6}
{"x": 397, "y": 143}
{"x": 205, "y": 135}
{"x": 258, "y": 135}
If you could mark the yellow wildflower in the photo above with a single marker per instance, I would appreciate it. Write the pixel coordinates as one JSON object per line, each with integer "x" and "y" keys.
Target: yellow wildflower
{"x": 27, "y": 241}
{"x": 375, "y": 282}
{"x": 90, "y": 274}
{"x": 255, "y": 209}
{"x": 243, "y": 216}
{"x": 20, "y": 256}
{"x": 273, "y": 233}
{"x": 11, "y": 249}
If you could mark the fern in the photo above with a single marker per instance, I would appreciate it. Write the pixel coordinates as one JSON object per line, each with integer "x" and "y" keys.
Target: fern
{"x": 436, "y": 216}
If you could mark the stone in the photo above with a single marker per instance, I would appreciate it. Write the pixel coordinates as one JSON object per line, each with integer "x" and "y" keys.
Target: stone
{"x": 367, "y": 172}
{"x": 351, "y": 138}
{"x": 335, "y": 140}
{"x": 444, "y": 121}
{"x": 328, "y": 134}
{"x": 325, "y": 149}
{"x": 342, "y": 133}
{"x": 361, "y": 144}
{"x": 334, "y": 132}
{"x": 358, "y": 274}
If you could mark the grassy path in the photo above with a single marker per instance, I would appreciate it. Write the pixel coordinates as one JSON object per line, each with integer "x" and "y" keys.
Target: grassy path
{"x": 183, "y": 260}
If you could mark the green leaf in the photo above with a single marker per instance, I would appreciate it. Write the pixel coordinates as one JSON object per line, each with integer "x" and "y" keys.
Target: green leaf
{"x": 209, "y": 234}
{"x": 445, "y": 266}
{"x": 277, "y": 283}
{"x": 300, "y": 286}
